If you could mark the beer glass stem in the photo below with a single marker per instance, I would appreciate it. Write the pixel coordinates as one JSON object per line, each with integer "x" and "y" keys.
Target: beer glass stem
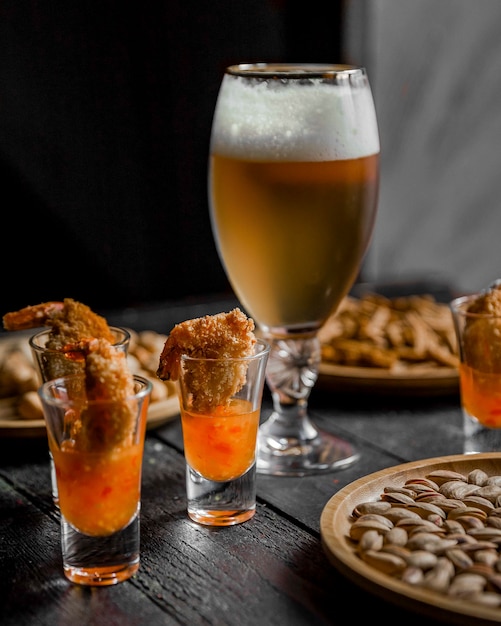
{"x": 289, "y": 444}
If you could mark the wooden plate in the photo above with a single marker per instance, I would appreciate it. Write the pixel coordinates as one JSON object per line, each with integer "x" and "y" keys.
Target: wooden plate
{"x": 158, "y": 413}
{"x": 335, "y": 524}
{"x": 11, "y": 425}
{"x": 429, "y": 381}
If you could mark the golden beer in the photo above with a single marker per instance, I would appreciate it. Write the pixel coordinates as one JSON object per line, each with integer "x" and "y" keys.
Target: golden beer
{"x": 293, "y": 234}
{"x": 293, "y": 191}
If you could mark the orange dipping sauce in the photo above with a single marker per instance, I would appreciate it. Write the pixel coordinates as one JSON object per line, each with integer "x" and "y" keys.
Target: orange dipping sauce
{"x": 98, "y": 492}
{"x": 481, "y": 395}
{"x": 221, "y": 445}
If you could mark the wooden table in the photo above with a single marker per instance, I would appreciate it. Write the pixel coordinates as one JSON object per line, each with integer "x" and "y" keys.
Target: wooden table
{"x": 271, "y": 570}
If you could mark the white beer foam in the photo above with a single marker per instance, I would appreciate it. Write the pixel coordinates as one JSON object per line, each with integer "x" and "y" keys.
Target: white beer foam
{"x": 318, "y": 122}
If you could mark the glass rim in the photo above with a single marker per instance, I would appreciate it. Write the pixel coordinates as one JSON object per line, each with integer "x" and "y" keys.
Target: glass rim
{"x": 39, "y": 348}
{"x": 459, "y": 307}
{"x": 295, "y": 70}
{"x": 265, "y": 348}
{"x": 62, "y": 381}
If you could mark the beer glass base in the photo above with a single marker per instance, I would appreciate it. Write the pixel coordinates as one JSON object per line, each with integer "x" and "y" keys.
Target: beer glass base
{"x": 290, "y": 456}
{"x": 100, "y": 561}
{"x": 227, "y": 503}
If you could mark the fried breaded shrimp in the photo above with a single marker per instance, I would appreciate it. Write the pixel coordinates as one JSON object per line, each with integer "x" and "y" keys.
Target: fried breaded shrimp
{"x": 222, "y": 336}
{"x": 212, "y": 337}
{"x": 107, "y": 379}
{"x": 482, "y": 333}
{"x": 488, "y": 302}
{"x": 70, "y": 321}
{"x": 32, "y": 316}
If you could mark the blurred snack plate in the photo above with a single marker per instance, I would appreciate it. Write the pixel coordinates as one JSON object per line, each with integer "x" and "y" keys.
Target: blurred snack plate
{"x": 336, "y": 520}
{"x": 143, "y": 358}
{"x": 399, "y": 343}
{"x": 11, "y": 425}
{"x": 430, "y": 381}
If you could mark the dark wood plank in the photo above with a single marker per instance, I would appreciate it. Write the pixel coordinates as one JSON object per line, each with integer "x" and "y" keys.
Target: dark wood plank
{"x": 267, "y": 571}
{"x": 271, "y": 570}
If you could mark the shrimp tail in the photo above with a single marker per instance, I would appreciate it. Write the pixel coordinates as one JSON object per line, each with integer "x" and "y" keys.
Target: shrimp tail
{"x": 32, "y": 316}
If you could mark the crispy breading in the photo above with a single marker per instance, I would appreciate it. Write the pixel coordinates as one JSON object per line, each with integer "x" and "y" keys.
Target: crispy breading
{"x": 488, "y": 302}
{"x": 107, "y": 379}
{"x": 212, "y": 337}
{"x": 78, "y": 321}
{"x": 70, "y": 321}
{"x": 220, "y": 338}
{"x": 482, "y": 335}
{"x": 31, "y": 316}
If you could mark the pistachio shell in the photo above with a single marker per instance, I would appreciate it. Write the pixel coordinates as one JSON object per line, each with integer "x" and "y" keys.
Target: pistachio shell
{"x": 477, "y": 477}
{"x": 442, "y": 476}
{"x": 384, "y": 562}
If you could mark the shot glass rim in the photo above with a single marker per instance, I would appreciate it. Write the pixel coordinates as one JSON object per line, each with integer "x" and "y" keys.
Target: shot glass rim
{"x": 39, "y": 348}
{"x": 264, "y": 351}
{"x": 48, "y": 398}
{"x": 459, "y": 306}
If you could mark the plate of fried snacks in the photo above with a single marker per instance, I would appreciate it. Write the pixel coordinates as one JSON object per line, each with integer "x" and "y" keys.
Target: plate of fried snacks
{"x": 20, "y": 408}
{"x": 425, "y": 535}
{"x": 402, "y": 345}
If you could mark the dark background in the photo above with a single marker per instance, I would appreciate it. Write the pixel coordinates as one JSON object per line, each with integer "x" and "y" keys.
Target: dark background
{"x": 105, "y": 115}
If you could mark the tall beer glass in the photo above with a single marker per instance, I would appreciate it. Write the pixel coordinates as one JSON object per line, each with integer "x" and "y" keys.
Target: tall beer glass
{"x": 293, "y": 188}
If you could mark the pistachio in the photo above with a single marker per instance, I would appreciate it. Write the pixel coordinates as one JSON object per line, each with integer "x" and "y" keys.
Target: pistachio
{"x": 457, "y": 489}
{"x": 398, "y": 513}
{"x": 466, "y": 583}
{"x": 477, "y": 477}
{"x": 371, "y": 507}
{"x": 441, "y": 532}
{"x": 370, "y": 540}
{"x": 479, "y": 502}
{"x": 442, "y": 476}
{"x": 361, "y": 526}
{"x": 439, "y": 577}
{"x": 412, "y": 575}
{"x": 425, "y": 482}
{"x": 493, "y": 480}
{"x": 422, "y": 559}
{"x": 469, "y": 511}
{"x": 489, "y": 492}
{"x": 459, "y": 557}
{"x": 397, "y": 497}
{"x": 405, "y": 490}
{"x": 487, "y": 556}
{"x": 493, "y": 521}
{"x": 396, "y": 536}
{"x": 383, "y": 561}
{"x": 424, "y": 509}
{"x": 485, "y": 598}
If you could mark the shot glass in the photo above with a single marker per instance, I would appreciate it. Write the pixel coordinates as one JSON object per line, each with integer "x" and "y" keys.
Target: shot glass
{"x": 51, "y": 364}
{"x": 220, "y": 404}
{"x": 479, "y": 344}
{"x": 97, "y": 447}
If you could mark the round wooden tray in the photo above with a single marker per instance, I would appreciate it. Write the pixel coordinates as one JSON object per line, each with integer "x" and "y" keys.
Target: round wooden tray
{"x": 335, "y": 524}
{"x": 158, "y": 413}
